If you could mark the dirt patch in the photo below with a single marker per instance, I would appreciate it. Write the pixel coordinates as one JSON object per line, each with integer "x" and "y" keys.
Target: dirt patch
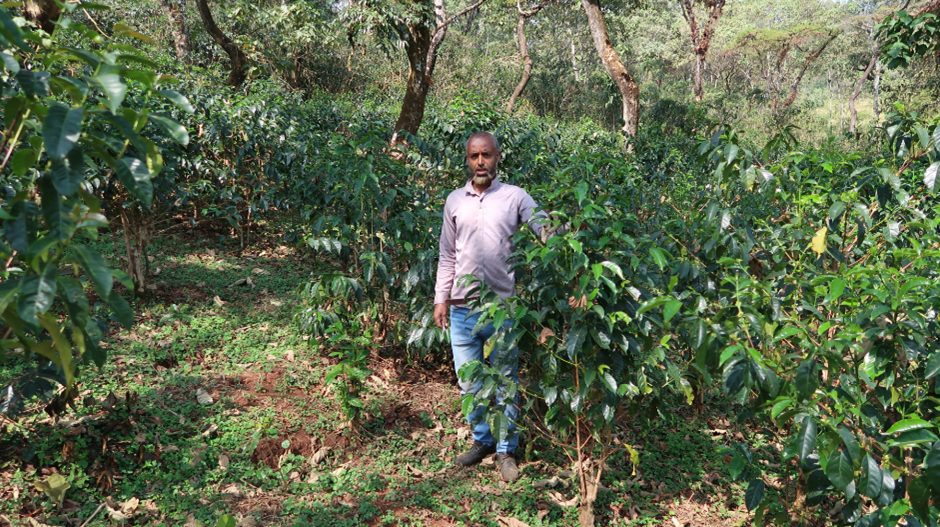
{"x": 270, "y": 451}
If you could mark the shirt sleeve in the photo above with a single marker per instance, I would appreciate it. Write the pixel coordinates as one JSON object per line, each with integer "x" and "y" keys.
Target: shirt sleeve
{"x": 527, "y": 213}
{"x": 539, "y": 221}
{"x": 447, "y": 260}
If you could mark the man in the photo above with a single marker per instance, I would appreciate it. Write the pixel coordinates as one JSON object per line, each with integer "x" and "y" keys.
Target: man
{"x": 476, "y": 239}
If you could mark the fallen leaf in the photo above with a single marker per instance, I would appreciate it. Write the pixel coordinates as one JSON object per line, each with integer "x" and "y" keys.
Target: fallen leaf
{"x": 463, "y": 433}
{"x": 258, "y": 270}
{"x": 319, "y": 455}
{"x": 243, "y": 281}
{"x": 551, "y": 482}
{"x": 560, "y": 500}
{"x": 224, "y": 460}
{"x": 545, "y": 334}
{"x": 218, "y": 301}
{"x": 54, "y": 486}
{"x": 130, "y": 506}
{"x": 232, "y": 490}
{"x": 208, "y": 431}
{"x": 289, "y": 355}
{"x": 140, "y": 437}
{"x": 416, "y": 472}
{"x": 203, "y": 397}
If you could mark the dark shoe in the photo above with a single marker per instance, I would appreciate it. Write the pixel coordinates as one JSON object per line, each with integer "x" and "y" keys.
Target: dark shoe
{"x": 507, "y": 467}
{"x": 475, "y": 454}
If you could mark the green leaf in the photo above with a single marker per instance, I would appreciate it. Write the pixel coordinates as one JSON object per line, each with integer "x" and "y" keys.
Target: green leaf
{"x": 840, "y": 470}
{"x": 906, "y": 425}
{"x": 67, "y": 175}
{"x": 609, "y": 381}
{"x": 871, "y": 477}
{"x": 919, "y": 493}
{"x": 8, "y": 291}
{"x": 226, "y": 520}
{"x": 806, "y": 437}
{"x": 134, "y": 175}
{"x": 933, "y": 366}
{"x": 672, "y": 307}
{"x": 171, "y": 127}
{"x": 97, "y": 270}
{"x": 179, "y": 100}
{"x": 806, "y": 379}
{"x": 10, "y": 63}
{"x": 122, "y": 310}
{"x": 61, "y": 129}
{"x": 851, "y": 444}
{"x": 930, "y": 176}
{"x": 932, "y": 467}
{"x": 911, "y": 438}
{"x": 836, "y": 210}
{"x": 659, "y": 256}
{"x": 754, "y": 494}
{"x": 37, "y": 293}
{"x": 113, "y": 88}
{"x": 836, "y": 288}
{"x": 34, "y": 83}
{"x": 23, "y": 160}
{"x": 10, "y": 30}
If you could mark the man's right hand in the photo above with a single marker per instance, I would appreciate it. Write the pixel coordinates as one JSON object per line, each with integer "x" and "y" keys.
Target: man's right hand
{"x": 441, "y": 315}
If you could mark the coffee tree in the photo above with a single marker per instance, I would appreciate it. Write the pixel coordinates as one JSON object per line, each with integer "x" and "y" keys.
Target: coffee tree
{"x": 75, "y": 150}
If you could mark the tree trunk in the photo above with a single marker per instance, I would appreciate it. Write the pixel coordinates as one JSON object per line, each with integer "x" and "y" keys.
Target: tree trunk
{"x": 876, "y": 88}
{"x": 853, "y": 120}
{"x": 809, "y": 60}
{"x": 574, "y": 55}
{"x": 43, "y": 13}
{"x": 421, "y": 45}
{"x": 239, "y": 61}
{"x": 417, "y": 45}
{"x": 700, "y": 42}
{"x": 618, "y": 72}
{"x": 136, "y": 237}
{"x": 440, "y": 16}
{"x": 523, "y": 52}
{"x": 175, "y": 12}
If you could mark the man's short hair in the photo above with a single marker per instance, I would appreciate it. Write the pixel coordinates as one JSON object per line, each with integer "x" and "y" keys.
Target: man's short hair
{"x": 483, "y": 134}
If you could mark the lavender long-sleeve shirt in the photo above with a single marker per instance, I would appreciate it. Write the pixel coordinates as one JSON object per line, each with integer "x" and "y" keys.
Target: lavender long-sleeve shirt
{"x": 476, "y": 238}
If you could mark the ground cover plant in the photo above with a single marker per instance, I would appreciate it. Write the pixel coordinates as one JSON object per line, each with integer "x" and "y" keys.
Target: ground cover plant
{"x": 216, "y": 303}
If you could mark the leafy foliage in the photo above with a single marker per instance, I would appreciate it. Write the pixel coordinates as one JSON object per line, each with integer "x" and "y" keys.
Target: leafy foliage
{"x": 75, "y": 146}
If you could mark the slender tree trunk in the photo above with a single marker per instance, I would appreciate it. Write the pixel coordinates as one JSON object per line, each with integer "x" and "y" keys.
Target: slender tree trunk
{"x": 523, "y": 52}
{"x": 239, "y": 61}
{"x": 440, "y": 16}
{"x": 876, "y": 88}
{"x": 574, "y": 54}
{"x": 853, "y": 119}
{"x": 618, "y": 72}
{"x": 700, "y": 42}
{"x": 175, "y": 12}
{"x": 43, "y": 13}
{"x": 806, "y": 62}
{"x": 136, "y": 233}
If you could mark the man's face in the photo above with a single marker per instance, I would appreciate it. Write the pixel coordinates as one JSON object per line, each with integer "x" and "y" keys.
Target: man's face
{"x": 482, "y": 158}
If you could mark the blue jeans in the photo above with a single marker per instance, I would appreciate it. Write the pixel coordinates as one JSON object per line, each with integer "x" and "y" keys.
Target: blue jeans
{"x": 468, "y": 347}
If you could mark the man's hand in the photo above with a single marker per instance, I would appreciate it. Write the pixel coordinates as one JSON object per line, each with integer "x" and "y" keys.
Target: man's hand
{"x": 440, "y": 315}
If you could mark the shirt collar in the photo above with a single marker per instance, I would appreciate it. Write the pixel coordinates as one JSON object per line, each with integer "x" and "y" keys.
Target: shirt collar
{"x": 494, "y": 186}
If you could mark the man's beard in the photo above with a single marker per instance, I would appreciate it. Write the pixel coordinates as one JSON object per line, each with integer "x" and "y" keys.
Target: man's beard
{"x": 484, "y": 180}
